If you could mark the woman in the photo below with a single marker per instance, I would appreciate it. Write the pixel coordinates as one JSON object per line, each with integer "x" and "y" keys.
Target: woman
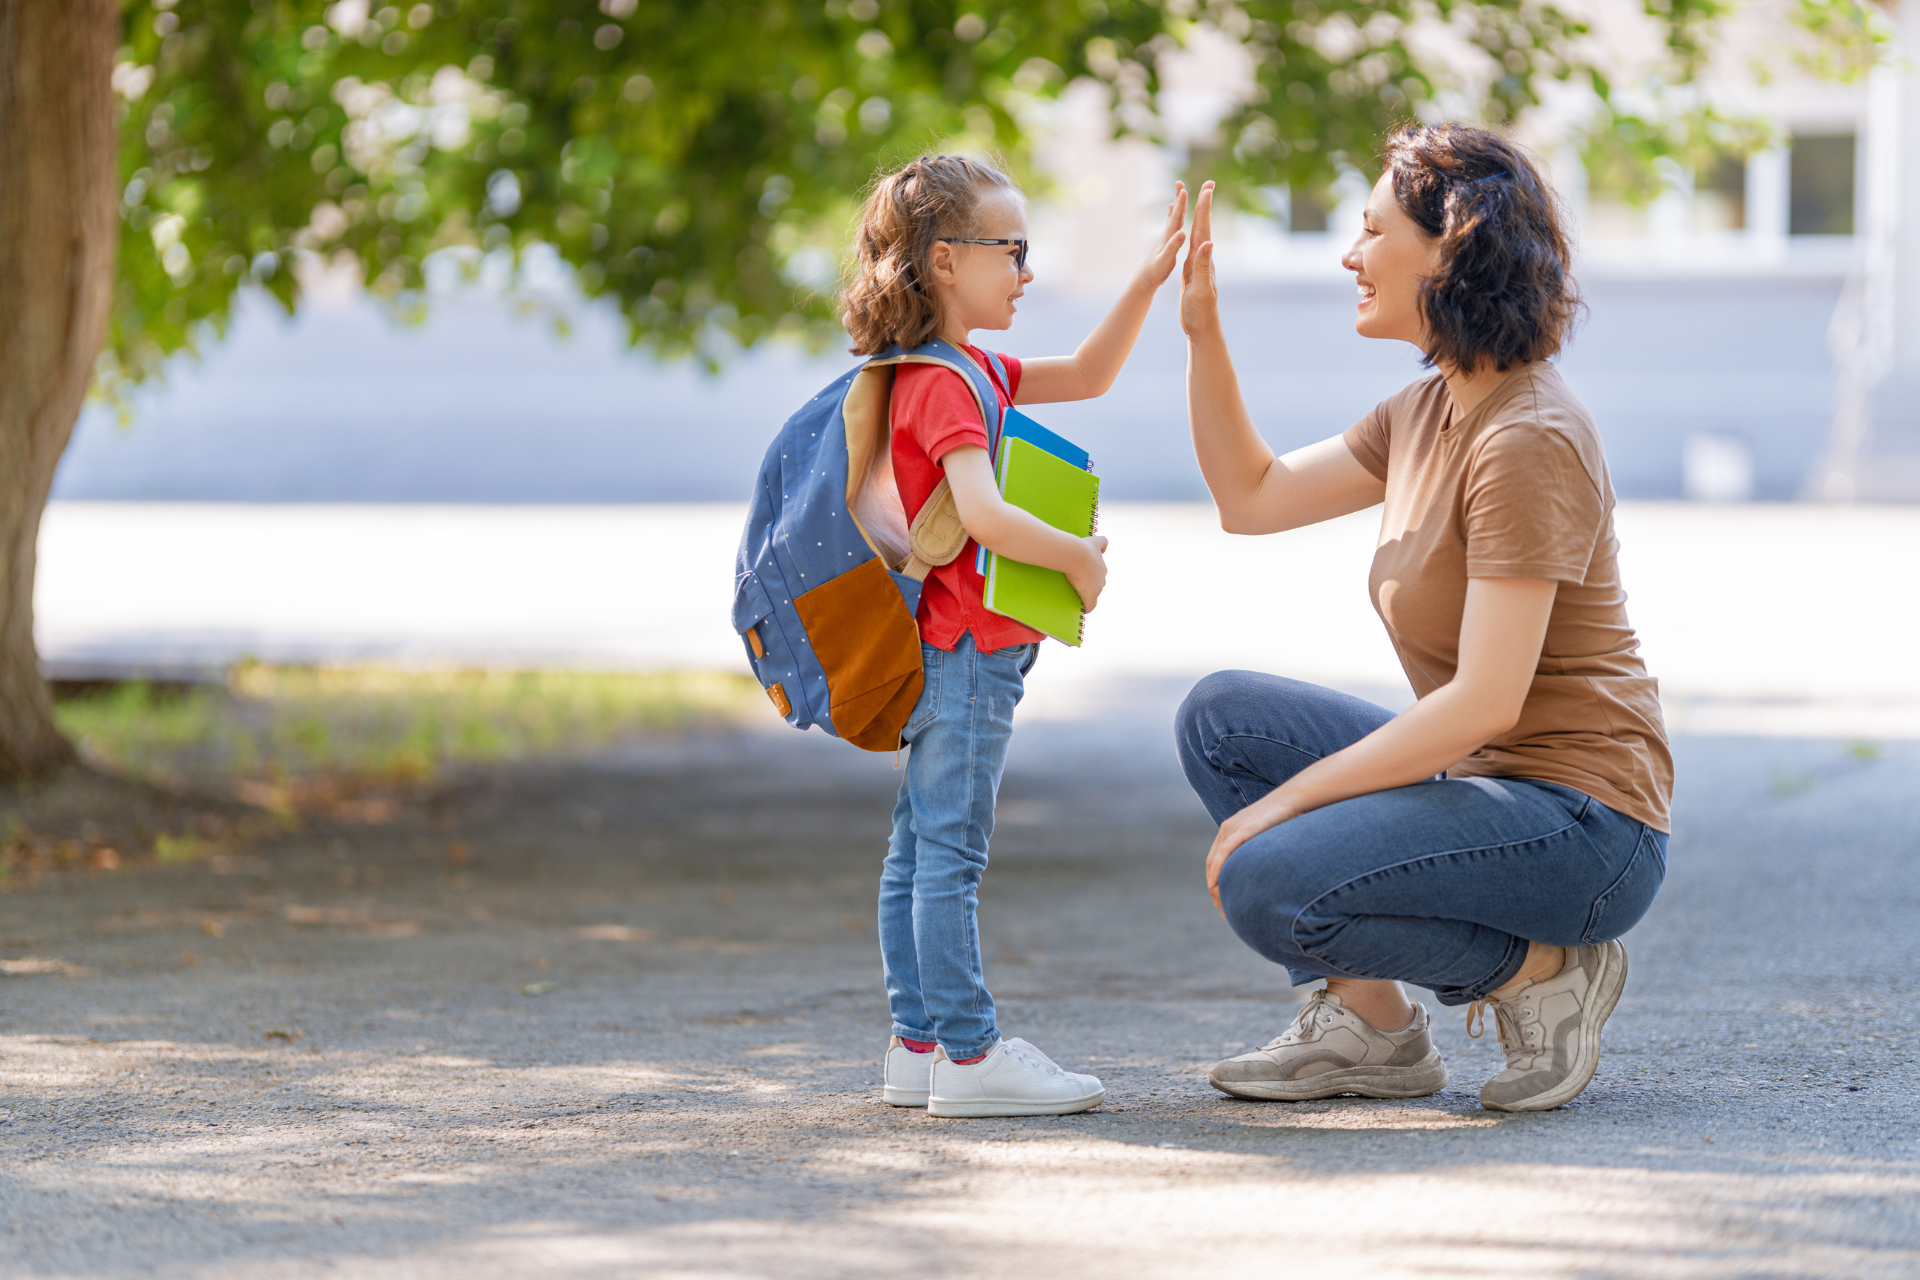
{"x": 1492, "y": 842}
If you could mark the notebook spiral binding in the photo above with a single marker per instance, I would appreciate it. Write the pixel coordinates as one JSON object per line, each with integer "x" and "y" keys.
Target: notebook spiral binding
{"x": 1093, "y": 527}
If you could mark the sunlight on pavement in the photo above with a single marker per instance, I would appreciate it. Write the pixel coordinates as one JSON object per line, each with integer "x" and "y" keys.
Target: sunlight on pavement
{"x": 639, "y": 588}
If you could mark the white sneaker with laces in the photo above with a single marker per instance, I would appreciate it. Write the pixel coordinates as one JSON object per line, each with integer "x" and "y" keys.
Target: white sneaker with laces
{"x": 903, "y": 1076}
{"x": 1014, "y": 1079}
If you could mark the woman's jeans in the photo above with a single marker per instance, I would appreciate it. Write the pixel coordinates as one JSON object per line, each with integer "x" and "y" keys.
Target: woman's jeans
{"x": 1441, "y": 884}
{"x": 929, "y": 886}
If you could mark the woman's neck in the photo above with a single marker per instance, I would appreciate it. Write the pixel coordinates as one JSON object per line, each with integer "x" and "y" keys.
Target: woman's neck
{"x": 1469, "y": 387}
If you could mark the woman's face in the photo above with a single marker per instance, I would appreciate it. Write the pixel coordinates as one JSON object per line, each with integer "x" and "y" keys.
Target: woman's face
{"x": 1390, "y": 260}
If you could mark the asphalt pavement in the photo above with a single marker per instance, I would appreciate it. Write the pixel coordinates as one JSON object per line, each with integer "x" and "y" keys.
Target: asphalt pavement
{"x": 636, "y": 1031}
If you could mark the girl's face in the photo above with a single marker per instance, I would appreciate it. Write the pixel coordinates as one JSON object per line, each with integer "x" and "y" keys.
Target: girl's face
{"x": 1390, "y": 261}
{"x": 979, "y": 283}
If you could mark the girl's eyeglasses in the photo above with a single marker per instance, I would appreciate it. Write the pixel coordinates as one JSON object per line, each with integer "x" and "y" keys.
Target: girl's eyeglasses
{"x": 1019, "y": 248}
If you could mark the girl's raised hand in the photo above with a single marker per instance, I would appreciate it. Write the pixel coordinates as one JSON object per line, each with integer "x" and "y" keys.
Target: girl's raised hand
{"x": 1199, "y": 294}
{"x": 1166, "y": 249}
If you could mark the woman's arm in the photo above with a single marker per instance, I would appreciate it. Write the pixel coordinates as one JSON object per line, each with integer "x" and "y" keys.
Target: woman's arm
{"x": 1005, "y": 529}
{"x": 1253, "y": 491}
{"x": 1091, "y": 369}
{"x": 1501, "y": 632}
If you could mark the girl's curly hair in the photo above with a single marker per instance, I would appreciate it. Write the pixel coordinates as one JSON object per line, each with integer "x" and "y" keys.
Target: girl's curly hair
{"x": 889, "y": 299}
{"x": 1504, "y": 292}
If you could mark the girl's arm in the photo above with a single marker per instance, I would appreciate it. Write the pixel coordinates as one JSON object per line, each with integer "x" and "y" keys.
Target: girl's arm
{"x": 1005, "y": 529}
{"x": 1089, "y": 371}
{"x": 1253, "y": 491}
{"x": 1501, "y": 632}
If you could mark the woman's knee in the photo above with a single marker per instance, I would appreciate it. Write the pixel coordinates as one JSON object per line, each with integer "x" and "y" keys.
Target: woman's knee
{"x": 1201, "y": 718}
{"x": 1254, "y": 703}
{"x": 1261, "y": 896}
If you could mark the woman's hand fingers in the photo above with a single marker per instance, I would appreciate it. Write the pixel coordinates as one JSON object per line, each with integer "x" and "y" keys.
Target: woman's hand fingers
{"x": 1213, "y": 880}
{"x": 1201, "y": 241}
{"x": 1263, "y": 814}
{"x": 1199, "y": 296}
{"x": 1225, "y": 841}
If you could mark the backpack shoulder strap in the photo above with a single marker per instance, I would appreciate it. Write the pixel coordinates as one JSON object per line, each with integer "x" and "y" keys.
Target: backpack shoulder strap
{"x": 1000, "y": 372}
{"x": 986, "y": 395}
{"x": 936, "y": 535}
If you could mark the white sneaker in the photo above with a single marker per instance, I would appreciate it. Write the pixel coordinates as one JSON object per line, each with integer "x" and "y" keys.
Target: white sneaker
{"x": 1014, "y": 1079}
{"x": 903, "y": 1077}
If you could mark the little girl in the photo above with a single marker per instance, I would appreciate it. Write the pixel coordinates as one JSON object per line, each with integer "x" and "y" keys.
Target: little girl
{"x": 942, "y": 251}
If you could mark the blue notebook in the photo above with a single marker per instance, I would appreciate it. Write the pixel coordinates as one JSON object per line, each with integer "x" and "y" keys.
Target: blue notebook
{"x": 1020, "y": 427}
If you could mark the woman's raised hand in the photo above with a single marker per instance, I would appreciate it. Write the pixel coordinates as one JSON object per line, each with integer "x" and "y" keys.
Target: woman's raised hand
{"x": 1166, "y": 249}
{"x": 1199, "y": 294}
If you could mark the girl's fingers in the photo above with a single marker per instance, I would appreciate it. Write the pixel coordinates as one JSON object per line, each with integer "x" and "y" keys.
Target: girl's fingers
{"x": 1176, "y": 217}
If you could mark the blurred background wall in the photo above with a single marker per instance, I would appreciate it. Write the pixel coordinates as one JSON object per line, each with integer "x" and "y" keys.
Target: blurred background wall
{"x": 477, "y": 405}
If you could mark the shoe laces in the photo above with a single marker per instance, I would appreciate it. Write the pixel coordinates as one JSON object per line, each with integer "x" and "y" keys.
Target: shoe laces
{"x": 1033, "y": 1057}
{"x": 1316, "y": 1009}
{"x": 1516, "y": 1025}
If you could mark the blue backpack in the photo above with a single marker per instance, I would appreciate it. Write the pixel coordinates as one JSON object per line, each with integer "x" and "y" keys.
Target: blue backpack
{"x": 829, "y": 571}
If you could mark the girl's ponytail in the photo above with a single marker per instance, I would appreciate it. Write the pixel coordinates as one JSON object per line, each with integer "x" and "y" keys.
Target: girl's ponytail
{"x": 889, "y": 299}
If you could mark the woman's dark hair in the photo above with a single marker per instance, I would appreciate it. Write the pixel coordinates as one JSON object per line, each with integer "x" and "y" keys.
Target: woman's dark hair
{"x": 1505, "y": 289}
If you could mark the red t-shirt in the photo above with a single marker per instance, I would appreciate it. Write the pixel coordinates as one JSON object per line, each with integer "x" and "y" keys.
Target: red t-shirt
{"x": 935, "y": 413}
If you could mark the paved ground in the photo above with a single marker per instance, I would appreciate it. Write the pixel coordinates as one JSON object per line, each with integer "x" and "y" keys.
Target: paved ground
{"x": 320, "y": 1058}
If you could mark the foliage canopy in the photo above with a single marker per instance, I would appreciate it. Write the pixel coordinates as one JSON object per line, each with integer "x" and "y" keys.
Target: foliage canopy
{"x": 687, "y": 158}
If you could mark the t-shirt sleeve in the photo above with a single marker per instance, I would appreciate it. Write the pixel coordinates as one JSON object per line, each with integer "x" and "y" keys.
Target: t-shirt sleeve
{"x": 1532, "y": 511}
{"x": 1013, "y": 374}
{"x": 937, "y": 409}
{"x": 1367, "y": 441}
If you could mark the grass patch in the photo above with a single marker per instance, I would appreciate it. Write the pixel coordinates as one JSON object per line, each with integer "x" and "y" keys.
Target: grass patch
{"x": 275, "y": 726}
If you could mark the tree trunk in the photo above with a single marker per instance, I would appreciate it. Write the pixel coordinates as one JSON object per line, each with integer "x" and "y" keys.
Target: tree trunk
{"x": 58, "y": 232}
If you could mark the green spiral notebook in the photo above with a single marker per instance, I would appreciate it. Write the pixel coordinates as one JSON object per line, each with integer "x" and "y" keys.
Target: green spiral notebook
{"x": 1066, "y": 497}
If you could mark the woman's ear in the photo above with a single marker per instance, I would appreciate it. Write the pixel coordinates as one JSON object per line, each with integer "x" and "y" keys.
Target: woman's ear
{"x": 941, "y": 261}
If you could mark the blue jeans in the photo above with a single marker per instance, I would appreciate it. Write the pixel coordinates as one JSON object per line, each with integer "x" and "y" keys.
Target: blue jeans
{"x": 1441, "y": 884}
{"x": 929, "y": 886}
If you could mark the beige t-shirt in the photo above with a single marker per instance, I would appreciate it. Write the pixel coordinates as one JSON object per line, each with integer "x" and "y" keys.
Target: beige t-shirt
{"x": 1518, "y": 488}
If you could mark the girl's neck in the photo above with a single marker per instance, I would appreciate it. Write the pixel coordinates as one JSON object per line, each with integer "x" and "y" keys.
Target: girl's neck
{"x": 958, "y": 337}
